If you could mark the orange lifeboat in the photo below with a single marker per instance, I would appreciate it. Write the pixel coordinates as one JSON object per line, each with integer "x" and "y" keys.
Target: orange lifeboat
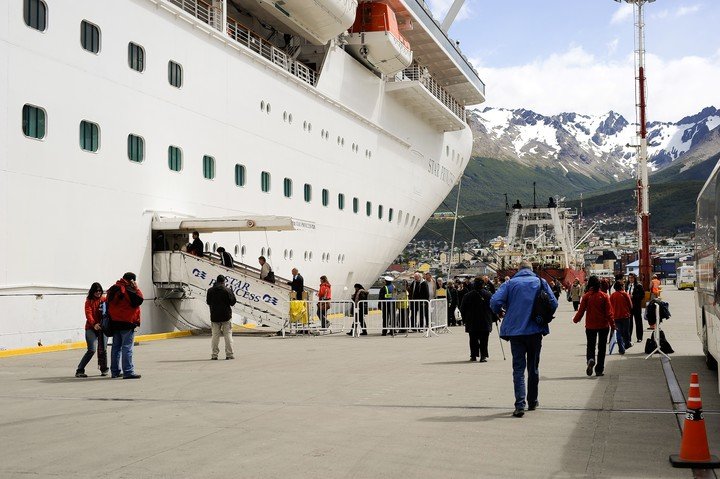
{"x": 375, "y": 39}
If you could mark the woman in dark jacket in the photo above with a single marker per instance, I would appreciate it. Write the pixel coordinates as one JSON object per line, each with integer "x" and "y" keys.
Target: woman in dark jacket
{"x": 478, "y": 319}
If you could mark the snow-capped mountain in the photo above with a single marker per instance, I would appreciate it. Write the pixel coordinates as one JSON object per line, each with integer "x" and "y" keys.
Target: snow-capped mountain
{"x": 593, "y": 146}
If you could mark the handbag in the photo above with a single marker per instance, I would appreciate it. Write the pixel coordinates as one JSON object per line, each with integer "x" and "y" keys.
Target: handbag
{"x": 270, "y": 278}
{"x": 542, "y": 310}
{"x": 105, "y": 321}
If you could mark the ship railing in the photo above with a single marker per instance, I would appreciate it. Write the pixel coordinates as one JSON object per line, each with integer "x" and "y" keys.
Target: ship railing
{"x": 213, "y": 16}
{"x": 252, "y": 41}
{"x": 421, "y": 74}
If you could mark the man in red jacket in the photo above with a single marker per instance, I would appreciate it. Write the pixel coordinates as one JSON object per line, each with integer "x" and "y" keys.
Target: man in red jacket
{"x": 622, "y": 312}
{"x": 124, "y": 299}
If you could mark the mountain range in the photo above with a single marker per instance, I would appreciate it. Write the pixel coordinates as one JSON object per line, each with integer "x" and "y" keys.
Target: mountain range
{"x": 571, "y": 153}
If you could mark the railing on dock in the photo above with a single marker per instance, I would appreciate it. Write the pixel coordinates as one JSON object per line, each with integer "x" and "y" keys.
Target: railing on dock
{"x": 421, "y": 74}
{"x": 213, "y": 16}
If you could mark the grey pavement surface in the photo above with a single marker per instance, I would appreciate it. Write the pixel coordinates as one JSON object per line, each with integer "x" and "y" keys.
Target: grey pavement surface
{"x": 335, "y": 406}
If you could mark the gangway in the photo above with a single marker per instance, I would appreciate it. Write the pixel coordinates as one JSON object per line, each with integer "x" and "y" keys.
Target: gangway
{"x": 181, "y": 279}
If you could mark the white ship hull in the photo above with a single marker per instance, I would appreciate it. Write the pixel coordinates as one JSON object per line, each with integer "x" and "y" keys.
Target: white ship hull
{"x": 70, "y": 217}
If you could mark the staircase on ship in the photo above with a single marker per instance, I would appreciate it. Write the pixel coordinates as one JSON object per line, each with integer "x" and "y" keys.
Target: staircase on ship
{"x": 182, "y": 279}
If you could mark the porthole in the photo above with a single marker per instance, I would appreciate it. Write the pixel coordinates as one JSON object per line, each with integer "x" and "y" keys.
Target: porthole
{"x": 338, "y": 140}
{"x": 262, "y": 251}
{"x": 237, "y": 250}
{"x": 291, "y": 254}
{"x": 447, "y": 150}
{"x": 267, "y": 108}
{"x": 327, "y": 135}
{"x": 285, "y": 254}
{"x": 309, "y": 127}
{"x": 343, "y": 257}
{"x": 323, "y": 257}
{"x": 322, "y": 133}
{"x": 306, "y": 255}
{"x": 207, "y": 246}
{"x": 262, "y": 105}
{"x": 269, "y": 252}
{"x": 214, "y": 247}
{"x": 342, "y": 142}
{"x": 290, "y": 118}
{"x": 310, "y": 256}
{"x": 242, "y": 251}
{"x": 338, "y": 258}
{"x": 285, "y": 116}
{"x": 305, "y": 125}
{"x": 33, "y": 122}
{"x": 369, "y": 154}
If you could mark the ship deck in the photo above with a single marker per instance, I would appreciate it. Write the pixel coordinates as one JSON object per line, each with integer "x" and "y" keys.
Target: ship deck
{"x": 334, "y": 406}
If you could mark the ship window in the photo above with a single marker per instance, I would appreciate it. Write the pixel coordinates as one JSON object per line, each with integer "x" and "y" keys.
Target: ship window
{"x": 136, "y": 148}
{"x": 287, "y": 187}
{"x": 309, "y": 127}
{"x": 89, "y": 136}
{"x": 208, "y": 167}
{"x": 390, "y": 215}
{"x": 265, "y": 181}
{"x": 380, "y": 211}
{"x": 35, "y": 13}
{"x": 290, "y": 118}
{"x": 285, "y": 254}
{"x": 368, "y": 208}
{"x": 267, "y": 108}
{"x": 307, "y": 190}
{"x": 400, "y": 217}
{"x": 341, "y": 201}
{"x": 285, "y": 116}
{"x": 33, "y": 122}
{"x": 175, "y": 74}
{"x": 214, "y": 247}
{"x": 310, "y": 256}
{"x": 291, "y": 254}
{"x": 237, "y": 250}
{"x": 136, "y": 57}
{"x": 262, "y": 251}
{"x": 305, "y": 125}
{"x": 269, "y": 252}
{"x": 174, "y": 158}
{"x": 90, "y": 37}
{"x": 306, "y": 255}
{"x": 243, "y": 250}
{"x": 325, "y": 197}
{"x": 239, "y": 175}
{"x": 356, "y": 205}
{"x": 262, "y": 105}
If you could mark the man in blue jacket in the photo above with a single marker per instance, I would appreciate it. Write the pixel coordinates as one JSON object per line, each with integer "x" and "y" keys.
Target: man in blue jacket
{"x": 516, "y": 298}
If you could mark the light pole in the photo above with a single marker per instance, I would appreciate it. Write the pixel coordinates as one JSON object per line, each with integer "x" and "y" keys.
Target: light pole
{"x": 643, "y": 208}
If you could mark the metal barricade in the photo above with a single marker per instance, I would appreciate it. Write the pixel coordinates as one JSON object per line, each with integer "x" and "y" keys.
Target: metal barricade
{"x": 400, "y": 317}
{"x": 320, "y": 317}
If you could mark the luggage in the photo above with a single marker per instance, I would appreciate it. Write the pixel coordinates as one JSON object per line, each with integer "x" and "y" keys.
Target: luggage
{"x": 651, "y": 345}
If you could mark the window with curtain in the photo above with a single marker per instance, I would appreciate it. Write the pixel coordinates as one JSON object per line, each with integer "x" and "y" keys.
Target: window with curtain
{"x": 265, "y": 181}
{"x": 35, "y": 14}
{"x": 136, "y": 148}
{"x": 174, "y": 158}
{"x": 89, "y": 136}
{"x": 208, "y": 167}
{"x": 175, "y": 74}
{"x": 239, "y": 175}
{"x": 33, "y": 122}
{"x": 136, "y": 57}
{"x": 89, "y": 37}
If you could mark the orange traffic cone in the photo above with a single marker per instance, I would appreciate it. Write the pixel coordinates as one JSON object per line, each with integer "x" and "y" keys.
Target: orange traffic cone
{"x": 694, "y": 451}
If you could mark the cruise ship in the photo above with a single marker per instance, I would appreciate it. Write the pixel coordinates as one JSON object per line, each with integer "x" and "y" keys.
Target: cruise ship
{"x": 345, "y": 118}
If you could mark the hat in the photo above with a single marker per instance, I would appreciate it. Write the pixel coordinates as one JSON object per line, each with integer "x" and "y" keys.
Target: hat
{"x": 220, "y": 279}
{"x": 388, "y": 278}
{"x": 358, "y": 286}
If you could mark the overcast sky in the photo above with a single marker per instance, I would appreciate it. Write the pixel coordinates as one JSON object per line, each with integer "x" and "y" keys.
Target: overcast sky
{"x": 577, "y": 55}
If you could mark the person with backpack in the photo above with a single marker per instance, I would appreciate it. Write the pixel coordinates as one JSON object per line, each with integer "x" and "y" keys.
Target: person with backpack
{"x": 123, "y": 305}
{"x": 221, "y": 299}
{"x": 598, "y": 323}
{"x": 94, "y": 336}
{"x": 359, "y": 299}
{"x": 515, "y": 299}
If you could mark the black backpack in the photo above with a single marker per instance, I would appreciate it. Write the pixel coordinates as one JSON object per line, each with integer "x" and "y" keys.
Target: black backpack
{"x": 542, "y": 310}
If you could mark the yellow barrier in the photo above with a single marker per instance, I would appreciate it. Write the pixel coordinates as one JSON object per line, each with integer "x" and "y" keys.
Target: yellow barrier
{"x": 143, "y": 338}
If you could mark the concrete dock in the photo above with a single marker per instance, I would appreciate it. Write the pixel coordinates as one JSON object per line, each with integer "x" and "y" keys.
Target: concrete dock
{"x": 335, "y": 406}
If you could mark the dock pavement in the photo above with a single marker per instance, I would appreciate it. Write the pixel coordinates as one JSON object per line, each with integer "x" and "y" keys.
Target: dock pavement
{"x": 341, "y": 407}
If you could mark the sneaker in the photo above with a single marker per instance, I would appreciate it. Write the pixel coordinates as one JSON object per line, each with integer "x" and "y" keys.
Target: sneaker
{"x": 214, "y": 358}
{"x": 533, "y": 406}
{"x": 590, "y": 366}
{"x": 229, "y": 357}
{"x": 104, "y": 372}
{"x": 639, "y": 340}
{"x": 132, "y": 376}
{"x": 78, "y": 374}
{"x": 518, "y": 412}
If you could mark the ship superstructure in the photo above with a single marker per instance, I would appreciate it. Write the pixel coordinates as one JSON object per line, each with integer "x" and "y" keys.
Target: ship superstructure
{"x": 115, "y": 113}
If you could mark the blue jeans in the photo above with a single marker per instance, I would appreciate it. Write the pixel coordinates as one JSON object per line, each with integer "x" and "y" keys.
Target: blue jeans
{"x": 526, "y": 354}
{"x": 92, "y": 338}
{"x": 122, "y": 345}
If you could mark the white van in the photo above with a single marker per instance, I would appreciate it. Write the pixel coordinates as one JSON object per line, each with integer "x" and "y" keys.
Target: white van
{"x": 685, "y": 277}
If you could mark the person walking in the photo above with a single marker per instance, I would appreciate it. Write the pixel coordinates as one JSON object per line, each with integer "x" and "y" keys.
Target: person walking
{"x": 221, "y": 299}
{"x": 557, "y": 289}
{"x": 360, "y": 308}
{"x": 123, "y": 304}
{"x": 266, "y": 272}
{"x": 478, "y": 316}
{"x": 324, "y": 297}
{"x": 94, "y": 336}
{"x": 297, "y": 285}
{"x": 514, "y": 300}
{"x": 451, "y": 303}
{"x": 637, "y": 294}
{"x": 598, "y": 323}
{"x": 576, "y": 292}
{"x": 622, "y": 310}
{"x": 655, "y": 287}
{"x": 196, "y": 247}
{"x": 225, "y": 257}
